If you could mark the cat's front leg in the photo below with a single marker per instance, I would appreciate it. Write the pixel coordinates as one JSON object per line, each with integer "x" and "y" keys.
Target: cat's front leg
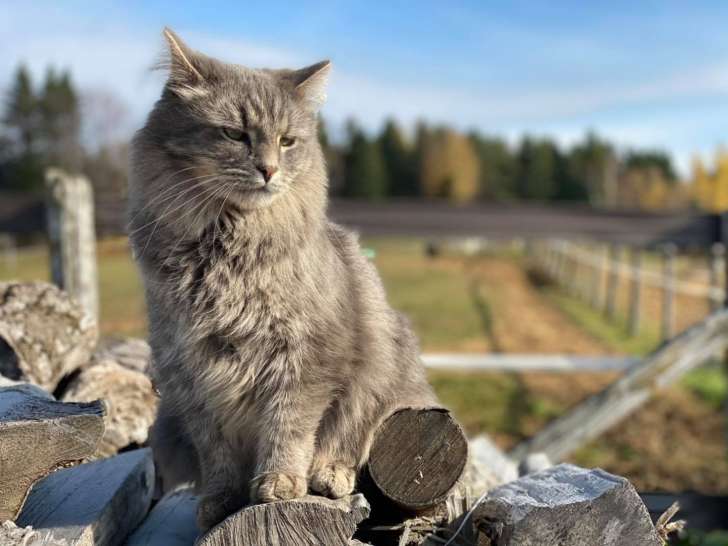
{"x": 285, "y": 448}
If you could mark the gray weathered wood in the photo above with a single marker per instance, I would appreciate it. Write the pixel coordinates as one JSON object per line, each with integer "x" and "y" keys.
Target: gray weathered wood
{"x": 94, "y": 504}
{"x": 610, "y": 298}
{"x": 72, "y": 236}
{"x": 606, "y": 408}
{"x": 172, "y": 522}
{"x": 132, "y": 353}
{"x": 668, "y": 291}
{"x": 130, "y": 400}
{"x": 417, "y": 457}
{"x": 38, "y": 435}
{"x": 44, "y": 334}
{"x": 309, "y": 521}
{"x": 488, "y": 466}
{"x": 563, "y": 505}
{"x": 635, "y": 293}
{"x": 12, "y": 535}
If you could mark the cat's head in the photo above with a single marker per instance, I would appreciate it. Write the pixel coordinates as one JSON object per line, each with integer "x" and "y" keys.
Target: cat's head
{"x": 244, "y": 134}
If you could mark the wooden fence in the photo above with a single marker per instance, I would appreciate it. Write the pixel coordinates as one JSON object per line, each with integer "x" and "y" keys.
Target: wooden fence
{"x": 603, "y": 276}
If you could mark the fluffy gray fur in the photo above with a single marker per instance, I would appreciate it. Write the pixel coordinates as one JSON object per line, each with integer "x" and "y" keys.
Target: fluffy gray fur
{"x": 275, "y": 351}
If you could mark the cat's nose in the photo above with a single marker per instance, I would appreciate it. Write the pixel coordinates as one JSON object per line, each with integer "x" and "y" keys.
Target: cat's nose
{"x": 267, "y": 171}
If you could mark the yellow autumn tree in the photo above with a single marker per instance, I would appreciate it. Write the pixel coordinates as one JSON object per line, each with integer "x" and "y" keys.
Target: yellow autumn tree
{"x": 709, "y": 188}
{"x": 450, "y": 168}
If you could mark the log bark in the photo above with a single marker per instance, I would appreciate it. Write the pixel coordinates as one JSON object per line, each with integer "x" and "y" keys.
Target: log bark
{"x": 417, "y": 457}
{"x": 39, "y": 435}
{"x": 44, "y": 334}
{"x": 12, "y": 535}
{"x": 605, "y": 409}
{"x": 94, "y": 504}
{"x": 310, "y": 521}
{"x": 130, "y": 401}
{"x": 170, "y": 523}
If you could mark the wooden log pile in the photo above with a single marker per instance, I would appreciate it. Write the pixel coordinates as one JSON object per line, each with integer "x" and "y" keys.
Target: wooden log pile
{"x": 75, "y": 472}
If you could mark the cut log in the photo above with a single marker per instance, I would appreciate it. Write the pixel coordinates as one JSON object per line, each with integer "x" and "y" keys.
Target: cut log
{"x": 606, "y": 408}
{"x": 97, "y": 503}
{"x": 38, "y": 435}
{"x": 309, "y": 521}
{"x": 172, "y": 521}
{"x": 130, "y": 400}
{"x": 44, "y": 334}
{"x": 417, "y": 457}
{"x": 563, "y": 505}
{"x": 132, "y": 353}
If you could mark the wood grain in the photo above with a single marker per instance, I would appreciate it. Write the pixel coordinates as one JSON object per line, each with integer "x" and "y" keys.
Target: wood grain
{"x": 37, "y": 435}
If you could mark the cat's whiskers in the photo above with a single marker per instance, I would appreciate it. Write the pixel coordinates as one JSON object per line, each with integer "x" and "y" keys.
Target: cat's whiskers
{"x": 166, "y": 211}
{"x": 199, "y": 209}
{"x": 164, "y": 192}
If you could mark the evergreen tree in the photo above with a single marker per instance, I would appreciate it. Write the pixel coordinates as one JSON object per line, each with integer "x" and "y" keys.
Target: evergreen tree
{"x": 593, "y": 169}
{"x": 399, "y": 161}
{"x": 22, "y": 166}
{"x": 498, "y": 168}
{"x": 61, "y": 121}
{"x": 537, "y": 164}
{"x": 366, "y": 177}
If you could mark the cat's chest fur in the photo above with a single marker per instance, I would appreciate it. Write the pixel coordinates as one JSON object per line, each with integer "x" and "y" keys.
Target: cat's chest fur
{"x": 243, "y": 289}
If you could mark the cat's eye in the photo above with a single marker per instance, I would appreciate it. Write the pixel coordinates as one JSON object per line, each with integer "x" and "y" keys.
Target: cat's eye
{"x": 237, "y": 135}
{"x": 287, "y": 142}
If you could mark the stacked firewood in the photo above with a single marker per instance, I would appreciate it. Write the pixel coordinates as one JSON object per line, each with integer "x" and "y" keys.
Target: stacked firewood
{"x": 74, "y": 418}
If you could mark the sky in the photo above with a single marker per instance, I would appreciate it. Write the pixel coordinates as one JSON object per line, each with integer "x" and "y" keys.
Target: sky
{"x": 647, "y": 74}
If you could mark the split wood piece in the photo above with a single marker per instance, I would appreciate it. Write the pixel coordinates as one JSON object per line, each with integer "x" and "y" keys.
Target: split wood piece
{"x": 488, "y": 467}
{"x": 132, "y": 353}
{"x": 44, "y": 334}
{"x": 564, "y": 505}
{"x": 39, "y": 435}
{"x": 309, "y": 521}
{"x": 130, "y": 400}
{"x": 417, "y": 457}
{"x": 172, "y": 521}
{"x": 94, "y": 504}
{"x": 639, "y": 383}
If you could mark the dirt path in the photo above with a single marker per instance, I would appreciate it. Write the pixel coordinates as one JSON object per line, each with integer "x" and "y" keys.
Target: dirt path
{"x": 520, "y": 319}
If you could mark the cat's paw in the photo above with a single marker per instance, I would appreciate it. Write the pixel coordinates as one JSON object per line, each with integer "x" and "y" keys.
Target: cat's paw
{"x": 276, "y": 486}
{"x": 212, "y": 509}
{"x": 334, "y": 480}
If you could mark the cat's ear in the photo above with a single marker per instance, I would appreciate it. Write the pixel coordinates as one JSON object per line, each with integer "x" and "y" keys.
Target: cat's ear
{"x": 310, "y": 84}
{"x": 186, "y": 66}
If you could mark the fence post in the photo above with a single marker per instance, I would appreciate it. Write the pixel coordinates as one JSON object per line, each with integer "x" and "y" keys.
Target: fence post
{"x": 9, "y": 251}
{"x": 613, "y": 266}
{"x": 635, "y": 296}
{"x": 717, "y": 257}
{"x": 601, "y": 264}
{"x": 668, "y": 291}
{"x": 72, "y": 236}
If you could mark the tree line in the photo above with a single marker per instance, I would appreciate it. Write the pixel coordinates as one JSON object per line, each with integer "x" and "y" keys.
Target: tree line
{"x": 50, "y": 123}
{"x": 443, "y": 163}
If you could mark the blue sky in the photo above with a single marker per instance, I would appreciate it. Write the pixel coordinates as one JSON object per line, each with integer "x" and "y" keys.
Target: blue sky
{"x": 648, "y": 73}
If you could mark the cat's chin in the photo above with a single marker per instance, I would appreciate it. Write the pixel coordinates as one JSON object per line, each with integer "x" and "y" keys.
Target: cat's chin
{"x": 255, "y": 198}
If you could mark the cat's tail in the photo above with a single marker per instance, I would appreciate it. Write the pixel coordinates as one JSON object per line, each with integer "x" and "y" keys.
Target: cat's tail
{"x": 175, "y": 457}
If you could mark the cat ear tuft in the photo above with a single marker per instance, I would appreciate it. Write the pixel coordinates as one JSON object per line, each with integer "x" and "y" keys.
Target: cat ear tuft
{"x": 310, "y": 83}
{"x": 183, "y": 63}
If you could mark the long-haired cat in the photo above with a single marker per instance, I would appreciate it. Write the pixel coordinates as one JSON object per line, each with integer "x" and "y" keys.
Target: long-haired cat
{"x": 274, "y": 349}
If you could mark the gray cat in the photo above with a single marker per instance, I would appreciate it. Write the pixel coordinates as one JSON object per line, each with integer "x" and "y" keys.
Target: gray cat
{"x": 275, "y": 352}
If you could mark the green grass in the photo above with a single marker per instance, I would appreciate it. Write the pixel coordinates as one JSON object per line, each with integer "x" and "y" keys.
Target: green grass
{"x": 709, "y": 383}
{"x": 613, "y": 333}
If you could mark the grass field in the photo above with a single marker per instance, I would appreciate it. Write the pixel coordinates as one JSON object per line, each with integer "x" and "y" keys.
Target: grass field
{"x": 489, "y": 303}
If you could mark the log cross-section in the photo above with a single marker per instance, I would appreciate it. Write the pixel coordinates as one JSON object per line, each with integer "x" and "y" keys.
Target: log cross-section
{"x": 38, "y": 435}
{"x": 417, "y": 457}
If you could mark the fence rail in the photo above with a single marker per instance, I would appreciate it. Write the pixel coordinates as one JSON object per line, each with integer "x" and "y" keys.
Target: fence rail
{"x": 594, "y": 273}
